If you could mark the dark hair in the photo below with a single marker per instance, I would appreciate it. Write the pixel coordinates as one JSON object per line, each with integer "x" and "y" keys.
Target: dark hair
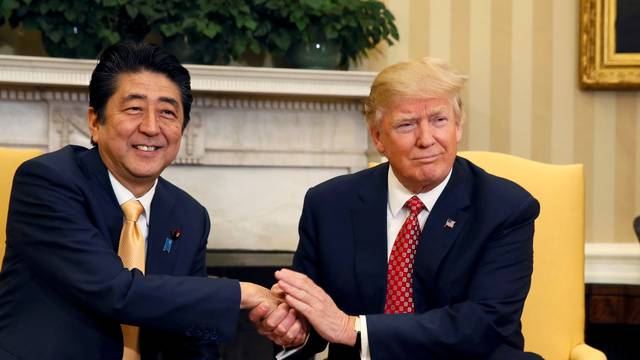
{"x": 128, "y": 57}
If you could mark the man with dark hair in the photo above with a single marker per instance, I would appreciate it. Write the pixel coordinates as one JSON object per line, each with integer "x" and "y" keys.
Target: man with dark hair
{"x": 131, "y": 58}
{"x": 105, "y": 259}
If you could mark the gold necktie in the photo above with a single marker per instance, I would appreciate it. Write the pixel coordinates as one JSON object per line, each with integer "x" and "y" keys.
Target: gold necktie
{"x": 131, "y": 251}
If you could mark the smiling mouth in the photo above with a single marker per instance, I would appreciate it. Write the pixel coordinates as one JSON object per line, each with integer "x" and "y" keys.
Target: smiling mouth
{"x": 146, "y": 148}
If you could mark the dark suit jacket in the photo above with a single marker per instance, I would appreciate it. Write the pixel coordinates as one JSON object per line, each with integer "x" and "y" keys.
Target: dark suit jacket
{"x": 63, "y": 289}
{"x": 470, "y": 281}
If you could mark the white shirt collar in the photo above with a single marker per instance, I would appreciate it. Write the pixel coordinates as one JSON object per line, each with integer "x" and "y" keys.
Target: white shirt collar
{"x": 398, "y": 194}
{"x": 123, "y": 195}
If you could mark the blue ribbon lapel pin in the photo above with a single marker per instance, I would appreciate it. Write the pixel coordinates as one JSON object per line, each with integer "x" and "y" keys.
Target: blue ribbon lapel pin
{"x": 168, "y": 242}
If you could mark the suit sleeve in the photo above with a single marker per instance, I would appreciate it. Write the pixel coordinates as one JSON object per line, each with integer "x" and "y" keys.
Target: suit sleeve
{"x": 477, "y": 326}
{"x": 304, "y": 261}
{"x": 193, "y": 348}
{"x": 51, "y": 228}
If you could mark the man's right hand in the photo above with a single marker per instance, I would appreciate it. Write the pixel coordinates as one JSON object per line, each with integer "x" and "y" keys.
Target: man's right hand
{"x": 282, "y": 325}
{"x": 252, "y": 295}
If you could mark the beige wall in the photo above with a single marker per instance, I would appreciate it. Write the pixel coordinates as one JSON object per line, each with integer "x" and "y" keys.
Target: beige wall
{"x": 523, "y": 97}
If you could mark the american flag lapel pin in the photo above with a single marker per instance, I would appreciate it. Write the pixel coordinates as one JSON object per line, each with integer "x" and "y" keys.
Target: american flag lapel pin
{"x": 449, "y": 224}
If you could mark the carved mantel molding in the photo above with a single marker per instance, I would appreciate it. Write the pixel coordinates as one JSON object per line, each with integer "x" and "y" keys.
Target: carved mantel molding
{"x": 300, "y": 101}
{"x": 56, "y": 72}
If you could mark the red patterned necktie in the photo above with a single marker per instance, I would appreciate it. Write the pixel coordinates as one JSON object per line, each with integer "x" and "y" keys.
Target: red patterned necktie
{"x": 400, "y": 270}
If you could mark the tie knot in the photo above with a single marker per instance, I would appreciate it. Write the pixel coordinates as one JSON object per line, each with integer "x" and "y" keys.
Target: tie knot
{"x": 414, "y": 205}
{"x": 132, "y": 210}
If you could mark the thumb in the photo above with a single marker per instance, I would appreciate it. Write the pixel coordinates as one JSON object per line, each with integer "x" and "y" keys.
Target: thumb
{"x": 277, "y": 290}
{"x": 260, "y": 312}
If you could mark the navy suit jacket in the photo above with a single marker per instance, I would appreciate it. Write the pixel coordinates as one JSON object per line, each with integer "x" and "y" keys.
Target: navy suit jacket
{"x": 64, "y": 291}
{"x": 470, "y": 280}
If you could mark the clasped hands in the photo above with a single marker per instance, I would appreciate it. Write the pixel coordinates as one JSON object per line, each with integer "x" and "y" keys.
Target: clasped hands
{"x": 295, "y": 302}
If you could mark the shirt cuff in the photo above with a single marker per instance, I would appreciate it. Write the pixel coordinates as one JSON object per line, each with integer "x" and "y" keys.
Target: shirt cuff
{"x": 364, "y": 339}
{"x": 288, "y": 352}
{"x": 364, "y": 343}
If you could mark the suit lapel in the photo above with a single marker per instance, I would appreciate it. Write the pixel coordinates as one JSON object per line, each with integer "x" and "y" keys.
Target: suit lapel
{"x": 157, "y": 261}
{"x": 161, "y": 223}
{"x": 438, "y": 236}
{"x": 110, "y": 212}
{"x": 370, "y": 236}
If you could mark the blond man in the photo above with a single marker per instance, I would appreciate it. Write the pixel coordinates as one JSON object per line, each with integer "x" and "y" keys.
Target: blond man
{"x": 425, "y": 256}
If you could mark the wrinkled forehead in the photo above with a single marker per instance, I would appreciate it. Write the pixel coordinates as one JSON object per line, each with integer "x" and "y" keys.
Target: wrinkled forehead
{"x": 419, "y": 106}
{"x": 144, "y": 84}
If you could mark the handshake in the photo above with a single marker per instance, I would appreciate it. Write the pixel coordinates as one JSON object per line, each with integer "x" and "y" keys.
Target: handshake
{"x": 285, "y": 313}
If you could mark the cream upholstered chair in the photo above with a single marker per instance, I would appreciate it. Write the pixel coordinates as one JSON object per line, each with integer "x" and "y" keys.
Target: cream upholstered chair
{"x": 554, "y": 313}
{"x": 10, "y": 159}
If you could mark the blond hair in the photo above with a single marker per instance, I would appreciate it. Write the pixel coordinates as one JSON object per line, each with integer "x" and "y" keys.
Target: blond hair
{"x": 414, "y": 79}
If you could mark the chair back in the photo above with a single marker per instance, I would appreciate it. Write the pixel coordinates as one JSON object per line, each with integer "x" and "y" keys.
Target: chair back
{"x": 10, "y": 159}
{"x": 554, "y": 312}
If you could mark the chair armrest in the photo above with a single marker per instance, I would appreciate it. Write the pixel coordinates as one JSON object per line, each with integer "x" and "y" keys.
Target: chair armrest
{"x": 586, "y": 352}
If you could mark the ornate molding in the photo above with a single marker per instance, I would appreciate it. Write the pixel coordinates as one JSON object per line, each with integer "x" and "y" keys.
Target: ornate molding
{"x": 66, "y": 96}
{"x": 327, "y": 96}
{"x": 40, "y": 71}
{"x": 32, "y": 70}
{"x": 11, "y": 94}
{"x": 34, "y": 94}
{"x": 233, "y": 79}
{"x": 192, "y": 147}
{"x": 281, "y": 104}
{"x": 200, "y": 100}
{"x": 67, "y": 125}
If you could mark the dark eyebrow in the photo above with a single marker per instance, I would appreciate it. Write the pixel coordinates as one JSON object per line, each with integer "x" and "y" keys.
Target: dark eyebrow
{"x": 166, "y": 99}
{"x": 135, "y": 97}
{"x": 169, "y": 100}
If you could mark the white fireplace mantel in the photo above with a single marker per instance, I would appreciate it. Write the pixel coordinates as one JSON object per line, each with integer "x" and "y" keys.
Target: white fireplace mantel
{"x": 255, "y": 133}
{"x": 56, "y": 72}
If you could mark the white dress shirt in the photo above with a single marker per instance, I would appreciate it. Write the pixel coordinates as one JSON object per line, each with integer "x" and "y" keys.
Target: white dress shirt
{"x": 123, "y": 195}
{"x": 396, "y": 216}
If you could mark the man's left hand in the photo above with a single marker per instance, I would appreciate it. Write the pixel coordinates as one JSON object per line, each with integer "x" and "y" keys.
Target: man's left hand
{"x": 317, "y": 307}
{"x": 281, "y": 325}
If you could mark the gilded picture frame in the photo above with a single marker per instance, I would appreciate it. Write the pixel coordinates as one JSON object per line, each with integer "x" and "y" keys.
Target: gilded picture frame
{"x": 603, "y": 65}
